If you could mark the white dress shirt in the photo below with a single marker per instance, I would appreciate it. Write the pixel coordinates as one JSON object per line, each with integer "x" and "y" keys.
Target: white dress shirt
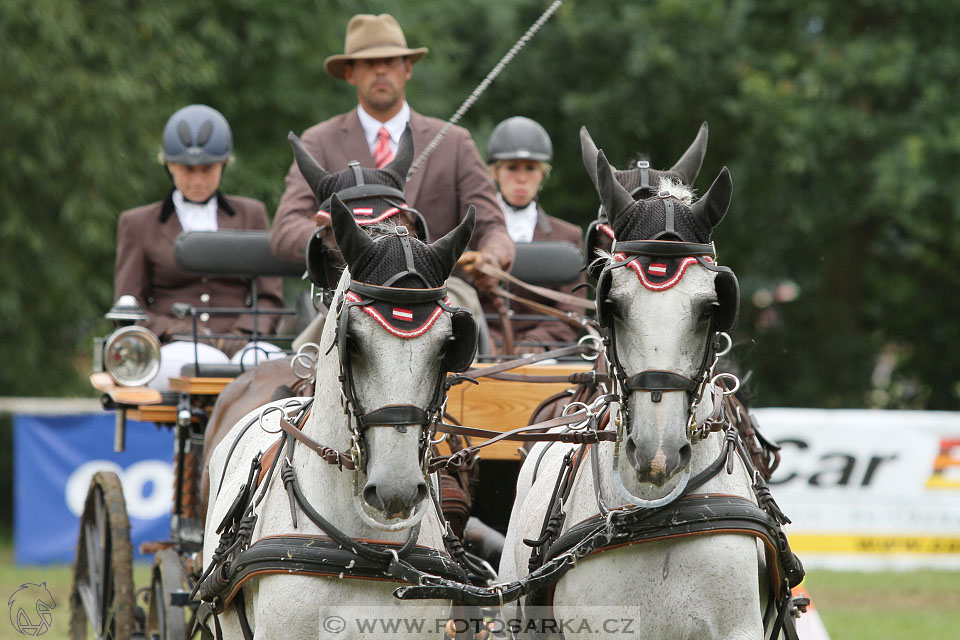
{"x": 193, "y": 216}
{"x": 395, "y": 126}
{"x": 521, "y": 223}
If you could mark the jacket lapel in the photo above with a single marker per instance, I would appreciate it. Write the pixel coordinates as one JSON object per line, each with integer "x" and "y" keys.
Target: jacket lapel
{"x": 354, "y": 143}
{"x": 421, "y": 138}
{"x": 544, "y": 229}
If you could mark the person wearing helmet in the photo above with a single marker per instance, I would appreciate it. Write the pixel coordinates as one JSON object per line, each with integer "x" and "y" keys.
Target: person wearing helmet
{"x": 519, "y": 152}
{"x": 197, "y": 145}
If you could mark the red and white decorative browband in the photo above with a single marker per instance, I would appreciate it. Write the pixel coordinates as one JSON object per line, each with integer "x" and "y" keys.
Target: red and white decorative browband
{"x": 363, "y": 212}
{"x": 399, "y": 313}
{"x": 659, "y": 269}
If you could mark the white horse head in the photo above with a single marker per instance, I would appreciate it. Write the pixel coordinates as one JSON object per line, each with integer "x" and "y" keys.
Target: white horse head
{"x": 382, "y": 359}
{"x": 395, "y": 338}
{"x": 662, "y": 300}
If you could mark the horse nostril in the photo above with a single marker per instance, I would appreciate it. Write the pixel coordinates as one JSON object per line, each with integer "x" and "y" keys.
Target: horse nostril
{"x": 372, "y": 498}
{"x": 685, "y": 452}
{"x": 421, "y": 492}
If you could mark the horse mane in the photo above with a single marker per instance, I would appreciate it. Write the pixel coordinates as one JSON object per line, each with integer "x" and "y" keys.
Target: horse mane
{"x": 672, "y": 188}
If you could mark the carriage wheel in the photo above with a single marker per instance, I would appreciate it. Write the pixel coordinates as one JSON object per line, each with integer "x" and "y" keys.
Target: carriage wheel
{"x": 164, "y": 620}
{"x": 102, "y": 596}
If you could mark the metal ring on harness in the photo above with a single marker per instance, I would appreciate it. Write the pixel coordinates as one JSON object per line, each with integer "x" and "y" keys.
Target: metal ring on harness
{"x": 267, "y": 412}
{"x": 729, "y": 376}
{"x": 722, "y": 352}
{"x": 597, "y": 345}
{"x": 305, "y": 360}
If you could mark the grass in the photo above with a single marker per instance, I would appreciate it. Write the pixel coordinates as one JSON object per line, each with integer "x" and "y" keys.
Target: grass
{"x": 886, "y": 605}
{"x": 908, "y": 605}
{"x": 59, "y": 579}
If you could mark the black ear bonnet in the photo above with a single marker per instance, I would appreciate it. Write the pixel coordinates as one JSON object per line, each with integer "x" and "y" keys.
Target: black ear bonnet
{"x": 400, "y": 262}
{"x": 639, "y": 232}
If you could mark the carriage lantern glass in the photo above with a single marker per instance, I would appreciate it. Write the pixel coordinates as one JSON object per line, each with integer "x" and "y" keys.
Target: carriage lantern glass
{"x": 132, "y": 356}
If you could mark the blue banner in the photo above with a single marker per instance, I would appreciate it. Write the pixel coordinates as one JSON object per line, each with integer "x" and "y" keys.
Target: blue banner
{"x": 54, "y": 459}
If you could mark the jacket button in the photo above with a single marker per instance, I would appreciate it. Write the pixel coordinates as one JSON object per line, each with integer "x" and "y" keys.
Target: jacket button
{"x": 204, "y": 297}
{"x": 204, "y": 317}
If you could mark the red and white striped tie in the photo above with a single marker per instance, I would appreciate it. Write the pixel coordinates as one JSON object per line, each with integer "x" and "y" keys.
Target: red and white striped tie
{"x": 381, "y": 153}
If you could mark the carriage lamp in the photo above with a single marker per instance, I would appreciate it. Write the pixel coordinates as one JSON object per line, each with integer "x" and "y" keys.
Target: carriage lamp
{"x": 125, "y": 311}
{"x": 132, "y": 356}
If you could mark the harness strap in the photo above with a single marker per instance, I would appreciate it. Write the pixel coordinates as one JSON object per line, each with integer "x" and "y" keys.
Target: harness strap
{"x": 659, "y": 380}
{"x": 556, "y": 296}
{"x": 320, "y": 556}
{"x": 486, "y": 372}
{"x": 395, "y": 414}
{"x": 397, "y": 294}
{"x": 663, "y": 248}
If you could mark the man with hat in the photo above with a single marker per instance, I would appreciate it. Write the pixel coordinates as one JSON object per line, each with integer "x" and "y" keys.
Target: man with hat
{"x": 377, "y": 61}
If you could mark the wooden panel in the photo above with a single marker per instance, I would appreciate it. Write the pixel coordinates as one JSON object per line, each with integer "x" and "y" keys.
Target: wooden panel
{"x": 124, "y": 395}
{"x": 200, "y": 386}
{"x": 165, "y": 414}
{"x": 502, "y": 405}
{"x": 159, "y": 413}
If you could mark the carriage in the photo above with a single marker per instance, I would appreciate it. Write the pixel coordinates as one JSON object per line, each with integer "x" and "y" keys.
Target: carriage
{"x": 592, "y": 402}
{"x": 104, "y": 597}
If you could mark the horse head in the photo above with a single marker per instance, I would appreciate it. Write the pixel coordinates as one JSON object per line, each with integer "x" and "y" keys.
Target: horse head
{"x": 396, "y": 337}
{"x": 374, "y": 196}
{"x": 663, "y": 301}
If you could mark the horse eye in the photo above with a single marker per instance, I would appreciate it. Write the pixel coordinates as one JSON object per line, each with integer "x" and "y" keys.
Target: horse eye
{"x": 353, "y": 347}
{"x": 708, "y": 310}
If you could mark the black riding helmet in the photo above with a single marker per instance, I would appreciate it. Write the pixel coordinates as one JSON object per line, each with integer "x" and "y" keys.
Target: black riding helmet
{"x": 197, "y": 135}
{"x": 519, "y": 138}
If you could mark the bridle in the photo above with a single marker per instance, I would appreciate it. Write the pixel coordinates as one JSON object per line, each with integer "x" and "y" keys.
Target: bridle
{"x": 399, "y": 416}
{"x": 656, "y": 382}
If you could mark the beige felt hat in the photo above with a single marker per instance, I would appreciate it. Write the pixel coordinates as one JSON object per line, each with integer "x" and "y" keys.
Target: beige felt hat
{"x": 370, "y": 36}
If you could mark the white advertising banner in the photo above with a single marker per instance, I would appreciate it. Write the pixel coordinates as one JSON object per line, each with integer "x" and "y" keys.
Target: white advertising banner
{"x": 869, "y": 489}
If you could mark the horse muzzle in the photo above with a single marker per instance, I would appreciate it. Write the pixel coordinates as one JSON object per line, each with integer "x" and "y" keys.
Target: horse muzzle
{"x": 656, "y": 447}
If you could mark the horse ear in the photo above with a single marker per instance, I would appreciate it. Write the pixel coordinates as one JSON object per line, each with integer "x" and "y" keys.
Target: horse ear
{"x": 449, "y": 248}
{"x": 404, "y": 157}
{"x": 614, "y": 197}
{"x": 351, "y": 239}
{"x": 589, "y": 152}
{"x": 711, "y": 208}
{"x": 688, "y": 166}
{"x": 309, "y": 167}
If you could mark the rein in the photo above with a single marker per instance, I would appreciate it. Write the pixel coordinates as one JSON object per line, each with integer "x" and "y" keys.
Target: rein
{"x": 476, "y": 93}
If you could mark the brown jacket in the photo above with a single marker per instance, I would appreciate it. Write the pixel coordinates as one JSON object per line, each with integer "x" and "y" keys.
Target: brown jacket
{"x": 553, "y": 229}
{"x": 451, "y": 179}
{"x": 146, "y": 270}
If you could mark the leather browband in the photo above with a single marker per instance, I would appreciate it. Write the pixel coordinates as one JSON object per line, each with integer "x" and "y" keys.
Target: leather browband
{"x": 397, "y": 294}
{"x": 364, "y": 191}
{"x": 665, "y": 248}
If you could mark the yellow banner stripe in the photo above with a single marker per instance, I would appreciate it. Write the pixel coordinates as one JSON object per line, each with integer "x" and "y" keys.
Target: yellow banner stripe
{"x": 873, "y": 544}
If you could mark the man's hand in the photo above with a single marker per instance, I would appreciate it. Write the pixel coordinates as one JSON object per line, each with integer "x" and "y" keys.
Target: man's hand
{"x": 471, "y": 262}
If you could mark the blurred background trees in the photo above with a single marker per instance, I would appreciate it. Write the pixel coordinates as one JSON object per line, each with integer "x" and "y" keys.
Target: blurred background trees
{"x": 837, "y": 121}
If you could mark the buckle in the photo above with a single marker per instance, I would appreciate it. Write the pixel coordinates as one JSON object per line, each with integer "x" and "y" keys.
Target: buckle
{"x": 401, "y": 230}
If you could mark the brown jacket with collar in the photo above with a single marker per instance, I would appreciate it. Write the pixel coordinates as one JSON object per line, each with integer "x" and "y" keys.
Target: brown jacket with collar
{"x": 146, "y": 269}
{"x": 451, "y": 179}
{"x": 549, "y": 229}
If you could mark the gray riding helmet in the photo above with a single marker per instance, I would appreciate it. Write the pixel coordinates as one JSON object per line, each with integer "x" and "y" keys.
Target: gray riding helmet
{"x": 519, "y": 138}
{"x": 195, "y": 135}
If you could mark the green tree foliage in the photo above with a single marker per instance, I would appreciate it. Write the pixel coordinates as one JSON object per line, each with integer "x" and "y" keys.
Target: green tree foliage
{"x": 836, "y": 120}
